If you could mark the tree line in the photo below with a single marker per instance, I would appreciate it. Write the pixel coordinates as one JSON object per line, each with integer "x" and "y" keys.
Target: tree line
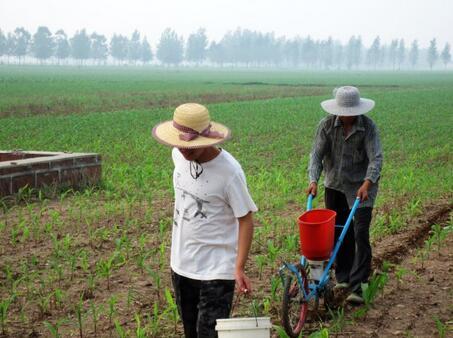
{"x": 241, "y": 47}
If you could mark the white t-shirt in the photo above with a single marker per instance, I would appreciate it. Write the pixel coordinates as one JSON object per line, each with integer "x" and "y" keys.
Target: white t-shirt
{"x": 205, "y": 225}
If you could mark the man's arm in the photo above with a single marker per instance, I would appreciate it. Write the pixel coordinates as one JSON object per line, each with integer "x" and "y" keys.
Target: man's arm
{"x": 316, "y": 156}
{"x": 244, "y": 243}
{"x": 374, "y": 153}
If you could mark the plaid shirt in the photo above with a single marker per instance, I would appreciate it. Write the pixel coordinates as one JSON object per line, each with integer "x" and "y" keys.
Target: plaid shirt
{"x": 347, "y": 161}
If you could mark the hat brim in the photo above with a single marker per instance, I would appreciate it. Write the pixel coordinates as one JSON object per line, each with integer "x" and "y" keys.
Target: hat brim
{"x": 331, "y": 106}
{"x": 168, "y": 135}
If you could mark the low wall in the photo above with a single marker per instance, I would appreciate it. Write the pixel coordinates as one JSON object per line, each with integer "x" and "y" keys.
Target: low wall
{"x": 36, "y": 169}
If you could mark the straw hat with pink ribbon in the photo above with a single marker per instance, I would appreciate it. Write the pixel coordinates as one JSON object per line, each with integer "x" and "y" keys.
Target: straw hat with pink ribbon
{"x": 190, "y": 128}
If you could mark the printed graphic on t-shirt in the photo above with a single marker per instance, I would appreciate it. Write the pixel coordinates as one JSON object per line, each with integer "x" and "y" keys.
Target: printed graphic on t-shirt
{"x": 192, "y": 204}
{"x": 199, "y": 212}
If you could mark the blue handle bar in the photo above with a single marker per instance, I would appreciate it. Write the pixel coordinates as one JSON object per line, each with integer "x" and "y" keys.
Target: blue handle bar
{"x": 354, "y": 207}
{"x": 310, "y": 202}
{"x": 340, "y": 240}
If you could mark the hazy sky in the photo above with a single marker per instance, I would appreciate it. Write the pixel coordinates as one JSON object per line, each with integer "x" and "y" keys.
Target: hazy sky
{"x": 408, "y": 19}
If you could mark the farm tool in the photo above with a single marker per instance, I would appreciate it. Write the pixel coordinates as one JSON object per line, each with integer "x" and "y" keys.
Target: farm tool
{"x": 309, "y": 280}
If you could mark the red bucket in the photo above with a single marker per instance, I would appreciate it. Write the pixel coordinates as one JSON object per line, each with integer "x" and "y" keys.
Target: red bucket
{"x": 317, "y": 229}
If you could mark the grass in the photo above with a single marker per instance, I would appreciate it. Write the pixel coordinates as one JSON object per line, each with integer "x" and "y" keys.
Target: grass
{"x": 114, "y": 240}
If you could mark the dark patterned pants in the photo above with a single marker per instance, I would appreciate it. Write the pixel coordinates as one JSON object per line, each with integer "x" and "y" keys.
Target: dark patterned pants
{"x": 200, "y": 303}
{"x": 353, "y": 263}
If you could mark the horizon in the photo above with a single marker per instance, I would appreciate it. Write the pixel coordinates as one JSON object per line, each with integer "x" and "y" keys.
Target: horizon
{"x": 295, "y": 19}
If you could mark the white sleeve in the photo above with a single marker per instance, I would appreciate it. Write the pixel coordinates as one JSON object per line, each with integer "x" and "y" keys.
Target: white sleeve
{"x": 173, "y": 155}
{"x": 238, "y": 196}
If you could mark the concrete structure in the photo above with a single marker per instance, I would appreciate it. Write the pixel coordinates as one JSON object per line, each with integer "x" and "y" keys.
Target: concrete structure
{"x": 36, "y": 169}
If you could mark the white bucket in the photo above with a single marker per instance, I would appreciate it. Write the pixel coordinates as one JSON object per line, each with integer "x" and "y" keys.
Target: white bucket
{"x": 259, "y": 327}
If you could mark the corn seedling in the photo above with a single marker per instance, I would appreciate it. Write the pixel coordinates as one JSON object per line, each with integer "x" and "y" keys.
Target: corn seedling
{"x": 281, "y": 332}
{"x": 112, "y": 309}
{"x": 272, "y": 251}
{"x": 400, "y": 272}
{"x": 48, "y": 228}
{"x": 56, "y": 245}
{"x": 439, "y": 234}
{"x": 276, "y": 282}
{"x": 67, "y": 243}
{"x": 370, "y": 290}
{"x": 78, "y": 309}
{"x": 171, "y": 309}
{"x": 260, "y": 262}
{"x": 120, "y": 331}
{"x": 162, "y": 228}
{"x": 4, "y": 207}
{"x": 72, "y": 259}
{"x": 102, "y": 234}
{"x": 441, "y": 327}
{"x": 156, "y": 279}
{"x": 323, "y": 333}
{"x": 95, "y": 314}
{"x": 54, "y": 328}
{"x": 14, "y": 234}
{"x": 140, "y": 261}
{"x": 414, "y": 208}
{"x": 4, "y": 306}
{"x": 267, "y": 306}
{"x": 44, "y": 304}
{"x": 130, "y": 298}
{"x": 161, "y": 255}
{"x": 154, "y": 321}
{"x": 9, "y": 275}
{"x": 338, "y": 320}
{"x": 142, "y": 242}
{"x": 291, "y": 243}
{"x": 83, "y": 261}
{"x": 105, "y": 268}
{"x": 57, "y": 269}
{"x": 139, "y": 331}
{"x": 424, "y": 252}
{"x": 24, "y": 194}
{"x": 91, "y": 283}
{"x": 23, "y": 316}
{"x": 254, "y": 308}
{"x": 58, "y": 297}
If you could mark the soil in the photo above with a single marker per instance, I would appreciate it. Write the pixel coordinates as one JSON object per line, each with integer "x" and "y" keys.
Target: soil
{"x": 151, "y": 101}
{"x": 418, "y": 291}
{"x": 406, "y": 307}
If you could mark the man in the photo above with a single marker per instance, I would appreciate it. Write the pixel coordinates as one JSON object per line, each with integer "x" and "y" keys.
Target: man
{"x": 348, "y": 148}
{"x": 213, "y": 227}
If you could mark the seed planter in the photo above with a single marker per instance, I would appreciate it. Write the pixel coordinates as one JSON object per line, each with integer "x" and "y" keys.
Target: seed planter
{"x": 309, "y": 280}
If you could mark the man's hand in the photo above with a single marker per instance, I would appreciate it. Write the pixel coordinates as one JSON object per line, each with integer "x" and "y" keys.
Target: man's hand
{"x": 244, "y": 242}
{"x": 312, "y": 189}
{"x": 243, "y": 283}
{"x": 362, "y": 193}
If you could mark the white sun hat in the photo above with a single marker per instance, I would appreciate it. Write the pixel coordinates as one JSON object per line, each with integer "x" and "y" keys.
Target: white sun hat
{"x": 191, "y": 128}
{"x": 347, "y": 102}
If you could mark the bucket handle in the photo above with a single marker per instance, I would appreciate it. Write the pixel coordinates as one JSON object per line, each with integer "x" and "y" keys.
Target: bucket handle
{"x": 255, "y": 313}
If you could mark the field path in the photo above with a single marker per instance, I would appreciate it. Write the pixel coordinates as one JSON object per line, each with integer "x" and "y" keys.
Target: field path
{"x": 418, "y": 292}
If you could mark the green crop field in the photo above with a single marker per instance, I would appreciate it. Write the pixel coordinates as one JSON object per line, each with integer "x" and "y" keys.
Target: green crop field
{"x": 98, "y": 259}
